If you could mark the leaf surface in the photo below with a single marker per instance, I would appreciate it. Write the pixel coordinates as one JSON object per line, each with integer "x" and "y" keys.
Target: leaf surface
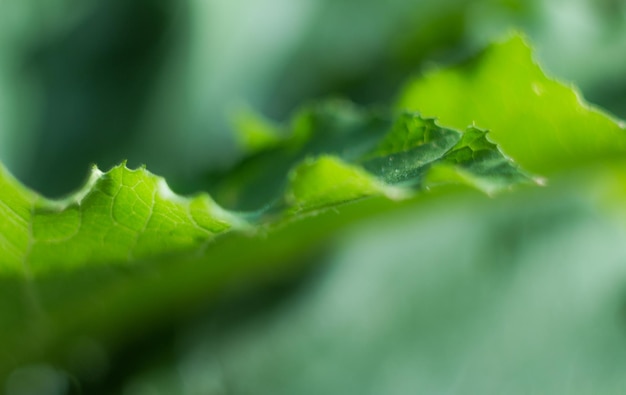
{"x": 118, "y": 216}
{"x": 543, "y": 124}
{"x": 132, "y": 249}
{"x": 327, "y": 139}
{"x": 141, "y": 256}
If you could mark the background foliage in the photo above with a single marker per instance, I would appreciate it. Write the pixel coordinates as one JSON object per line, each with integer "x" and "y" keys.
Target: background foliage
{"x": 155, "y": 82}
{"x": 447, "y": 292}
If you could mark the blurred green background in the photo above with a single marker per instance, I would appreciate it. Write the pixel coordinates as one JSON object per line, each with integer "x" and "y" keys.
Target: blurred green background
{"x": 157, "y": 81}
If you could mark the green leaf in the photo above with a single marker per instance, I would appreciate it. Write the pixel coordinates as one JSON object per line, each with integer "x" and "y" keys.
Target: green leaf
{"x": 15, "y": 210}
{"x": 329, "y": 127}
{"x": 541, "y": 123}
{"x": 119, "y": 216}
{"x": 254, "y": 132}
{"x": 528, "y": 287}
{"x": 142, "y": 257}
{"x": 124, "y": 214}
{"x": 406, "y": 152}
{"x": 134, "y": 251}
{"x": 327, "y": 181}
{"x": 473, "y": 158}
{"x": 397, "y": 150}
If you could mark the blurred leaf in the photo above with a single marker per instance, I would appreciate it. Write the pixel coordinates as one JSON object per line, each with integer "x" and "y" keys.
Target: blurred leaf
{"x": 254, "y": 132}
{"x": 398, "y": 150}
{"x": 81, "y": 76}
{"x": 529, "y": 287}
{"x": 107, "y": 239}
{"x": 142, "y": 258}
{"x": 540, "y": 123}
{"x": 125, "y": 214}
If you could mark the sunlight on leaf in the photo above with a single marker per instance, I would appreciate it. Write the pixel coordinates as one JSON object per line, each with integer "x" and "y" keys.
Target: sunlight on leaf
{"x": 541, "y": 123}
